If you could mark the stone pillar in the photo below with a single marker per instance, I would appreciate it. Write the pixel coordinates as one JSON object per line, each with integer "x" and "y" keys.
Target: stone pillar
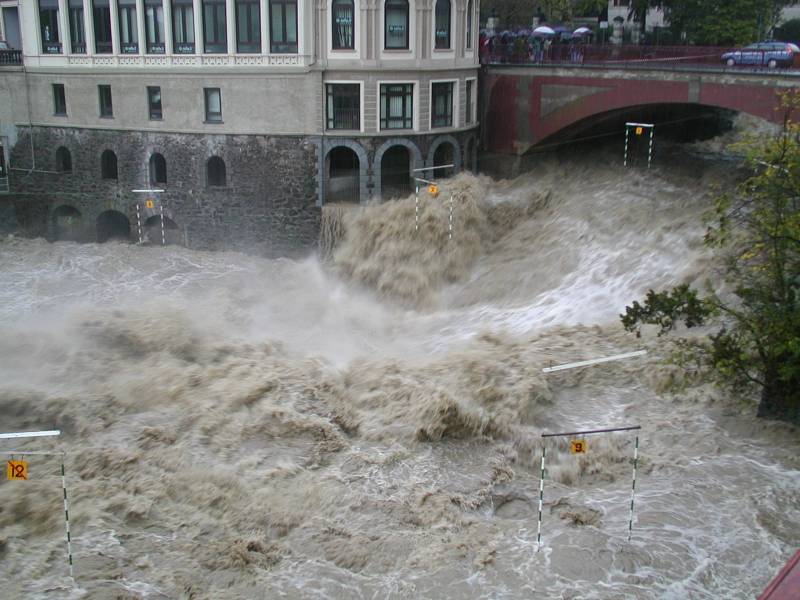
{"x": 112, "y": 5}
{"x": 88, "y": 26}
{"x": 168, "y": 49}
{"x": 140, "y": 33}
{"x": 230, "y": 22}
{"x": 198, "y": 27}
{"x": 265, "y": 32}
{"x": 63, "y": 23}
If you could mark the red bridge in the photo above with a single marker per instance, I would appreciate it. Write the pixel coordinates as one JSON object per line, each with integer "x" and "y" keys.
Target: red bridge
{"x": 523, "y": 105}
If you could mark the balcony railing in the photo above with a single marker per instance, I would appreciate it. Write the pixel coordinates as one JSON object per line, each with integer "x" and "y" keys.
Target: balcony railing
{"x": 10, "y": 57}
{"x": 345, "y": 118}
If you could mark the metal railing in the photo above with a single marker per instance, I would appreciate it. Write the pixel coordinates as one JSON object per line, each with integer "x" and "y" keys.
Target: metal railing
{"x": 10, "y": 57}
{"x": 345, "y": 118}
{"x": 638, "y": 57}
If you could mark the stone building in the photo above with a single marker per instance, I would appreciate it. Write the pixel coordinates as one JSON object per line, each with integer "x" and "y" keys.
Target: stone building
{"x": 248, "y": 115}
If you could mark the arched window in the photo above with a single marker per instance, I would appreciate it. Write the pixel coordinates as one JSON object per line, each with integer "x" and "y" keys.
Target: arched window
{"x": 343, "y": 14}
{"x": 63, "y": 160}
{"x": 215, "y": 172}
{"x": 108, "y": 165}
{"x": 442, "y": 29}
{"x": 469, "y": 24}
{"x": 158, "y": 169}
{"x": 396, "y": 18}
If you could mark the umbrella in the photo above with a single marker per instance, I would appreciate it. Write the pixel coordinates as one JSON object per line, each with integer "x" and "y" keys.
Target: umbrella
{"x": 543, "y": 30}
{"x": 581, "y": 31}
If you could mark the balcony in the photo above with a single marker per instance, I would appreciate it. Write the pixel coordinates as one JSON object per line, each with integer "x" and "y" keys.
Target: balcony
{"x": 10, "y": 57}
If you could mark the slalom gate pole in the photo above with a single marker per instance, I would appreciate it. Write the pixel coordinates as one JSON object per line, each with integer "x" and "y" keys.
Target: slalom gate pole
{"x": 163, "y": 231}
{"x": 66, "y": 518}
{"x": 541, "y": 498}
{"x": 650, "y": 149}
{"x": 450, "y": 226}
{"x": 139, "y": 222}
{"x": 625, "y": 160}
{"x": 416, "y": 207}
{"x": 633, "y": 485}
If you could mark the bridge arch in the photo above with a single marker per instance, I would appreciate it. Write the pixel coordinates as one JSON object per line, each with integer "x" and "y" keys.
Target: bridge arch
{"x": 112, "y": 224}
{"x": 527, "y": 105}
{"x": 359, "y": 169}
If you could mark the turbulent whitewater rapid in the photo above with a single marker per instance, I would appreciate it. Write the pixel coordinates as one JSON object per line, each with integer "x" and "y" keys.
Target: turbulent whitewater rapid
{"x": 238, "y": 427}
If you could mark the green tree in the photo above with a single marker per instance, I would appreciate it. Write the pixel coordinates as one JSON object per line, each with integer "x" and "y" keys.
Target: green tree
{"x": 757, "y": 230}
{"x": 724, "y": 22}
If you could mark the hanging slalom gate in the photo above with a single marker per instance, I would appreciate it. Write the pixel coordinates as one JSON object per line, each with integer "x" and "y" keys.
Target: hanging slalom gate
{"x": 17, "y": 470}
{"x": 638, "y": 130}
{"x": 433, "y": 190}
{"x": 579, "y": 446}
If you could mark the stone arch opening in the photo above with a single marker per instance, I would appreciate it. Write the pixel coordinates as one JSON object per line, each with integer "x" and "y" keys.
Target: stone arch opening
{"x": 443, "y": 155}
{"x": 396, "y": 177}
{"x": 63, "y": 160}
{"x": 158, "y": 169}
{"x": 216, "y": 173}
{"x": 112, "y": 224}
{"x": 152, "y": 231}
{"x": 343, "y": 169}
{"x": 67, "y": 223}
{"x": 108, "y": 165}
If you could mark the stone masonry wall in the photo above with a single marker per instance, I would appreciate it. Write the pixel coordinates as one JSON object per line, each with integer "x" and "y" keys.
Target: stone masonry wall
{"x": 268, "y": 205}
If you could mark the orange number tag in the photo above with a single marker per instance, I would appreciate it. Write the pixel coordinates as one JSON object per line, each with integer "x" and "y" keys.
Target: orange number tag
{"x": 17, "y": 470}
{"x": 578, "y": 446}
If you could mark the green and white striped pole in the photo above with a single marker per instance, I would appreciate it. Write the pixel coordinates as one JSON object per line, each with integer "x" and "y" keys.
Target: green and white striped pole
{"x": 541, "y": 498}
{"x": 633, "y": 485}
{"x": 66, "y": 518}
{"x": 416, "y": 206}
{"x": 625, "y": 162}
{"x": 450, "y": 227}
{"x": 650, "y": 149}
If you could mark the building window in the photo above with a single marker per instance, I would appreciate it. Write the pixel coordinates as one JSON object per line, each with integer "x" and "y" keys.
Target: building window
{"x": 158, "y": 169}
{"x": 442, "y": 104}
{"x": 106, "y": 106}
{"x": 215, "y": 172}
{"x": 397, "y": 106}
{"x": 343, "y": 15}
{"x": 469, "y": 24}
{"x": 468, "y": 105}
{"x": 396, "y": 17}
{"x": 128, "y": 33}
{"x": 63, "y": 160}
{"x": 283, "y": 26}
{"x": 77, "y": 32}
{"x": 442, "y": 25}
{"x": 154, "y": 26}
{"x": 101, "y": 13}
{"x": 59, "y": 100}
{"x": 248, "y": 26}
{"x": 108, "y": 165}
{"x": 344, "y": 101}
{"x": 182, "y": 27}
{"x": 48, "y": 22}
{"x": 154, "y": 103}
{"x": 215, "y": 33}
{"x": 213, "y": 105}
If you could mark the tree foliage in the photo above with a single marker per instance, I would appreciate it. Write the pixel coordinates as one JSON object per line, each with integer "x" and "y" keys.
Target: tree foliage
{"x": 757, "y": 232}
{"x": 724, "y": 22}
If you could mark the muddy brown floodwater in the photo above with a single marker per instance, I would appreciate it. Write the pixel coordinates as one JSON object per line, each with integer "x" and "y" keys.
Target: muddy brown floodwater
{"x": 238, "y": 427}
